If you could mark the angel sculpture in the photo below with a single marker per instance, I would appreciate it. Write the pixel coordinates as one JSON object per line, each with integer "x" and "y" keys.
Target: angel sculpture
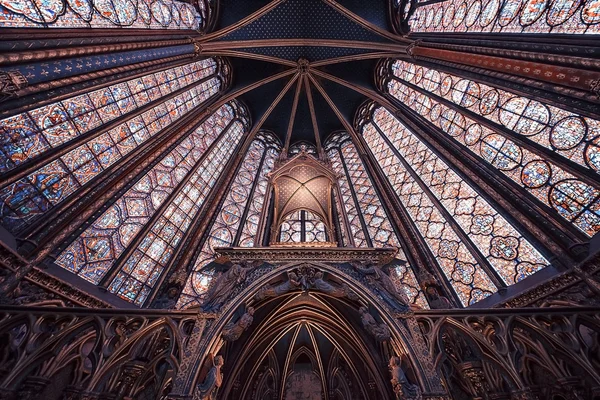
{"x": 379, "y": 331}
{"x": 223, "y": 286}
{"x": 380, "y": 278}
{"x": 404, "y": 390}
{"x": 336, "y": 291}
{"x": 233, "y": 330}
{"x": 208, "y": 389}
{"x": 269, "y": 291}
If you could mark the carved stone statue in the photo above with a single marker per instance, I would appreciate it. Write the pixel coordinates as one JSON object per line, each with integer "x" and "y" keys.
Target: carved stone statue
{"x": 208, "y": 389}
{"x": 269, "y": 291}
{"x": 222, "y": 288}
{"x": 432, "y": 290}
{"x": 380, "y": 279}
{"x": 321, "y": 285}
{"x": 379, "y": 331}
{"x": 436, "y": 300}
{"x": 233, "y": 331}
{"x": 404, "y": 390}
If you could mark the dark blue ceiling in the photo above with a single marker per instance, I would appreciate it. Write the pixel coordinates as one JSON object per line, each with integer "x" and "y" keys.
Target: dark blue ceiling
{"x": 304, "y": 19}
{"x": 306, "y": 23}
{"x": 310, "y": 53}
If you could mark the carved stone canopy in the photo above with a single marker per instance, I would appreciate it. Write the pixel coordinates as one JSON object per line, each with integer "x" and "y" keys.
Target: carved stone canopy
{"x": 303, "y": 184}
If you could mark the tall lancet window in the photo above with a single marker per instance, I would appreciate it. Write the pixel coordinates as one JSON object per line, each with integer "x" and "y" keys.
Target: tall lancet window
{"x": 140, "y": 14}
{"x": 361, "y": 210}
{"x": 49, "y": 153}
{"x": 476, "y": 247}
{"x": 135, "y": 238}
{"x": 521, "y": 16}
{"x": 511, "y": 141}
{"x": 237, "y": 221}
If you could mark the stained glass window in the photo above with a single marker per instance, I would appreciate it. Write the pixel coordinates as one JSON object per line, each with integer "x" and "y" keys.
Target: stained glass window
{"x": 453, "y": 218}
{"x": 94, "y": 252}
{"x": 157, "y": 14}
{"x": 244, "y": 202}
{"x": 30, "y": 134}
{"x": 302, "y": 146}
{"x": 362, "y": 206}
{"x": 302, "y": 226}
{"x": 143, "y": 268}
{"x": 521, "y": 16}
{"x": 568, "y": 135}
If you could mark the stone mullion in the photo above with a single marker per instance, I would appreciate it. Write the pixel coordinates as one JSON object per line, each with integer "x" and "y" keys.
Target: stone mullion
{"x": 344, "y": 215}
{"x": 250, "y": 196}
{"x": 567, "y": 60}
{"x": 575, "y": 169}
{"x": 574, "y": 45}
{"x": 87, "y": 83}
{"x": 574, "y": 82}
{"x": 521, "y": 86}
{"x": 551, "y": 231}
{"x": 181, "y": 263}
{"x": 76, "y": 214}
{"x": 118, "y": 264}
{"x": 355, "y": 198}
{"x": 416, "y": 249}
{"x": 573, "y": 100}
{"x": 116, "y": 34}
{"x": 18, "y": 57}
{"x": 34, "y": 164}
{"x": 474, "y": 250}
{"x": 336, "y": 222}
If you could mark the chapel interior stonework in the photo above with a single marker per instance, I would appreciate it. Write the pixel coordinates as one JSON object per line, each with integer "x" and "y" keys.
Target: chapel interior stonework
{"x": 300, "y": 199}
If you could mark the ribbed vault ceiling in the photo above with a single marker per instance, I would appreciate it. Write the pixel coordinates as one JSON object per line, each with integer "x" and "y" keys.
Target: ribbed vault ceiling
{"x": 325, "y": 52}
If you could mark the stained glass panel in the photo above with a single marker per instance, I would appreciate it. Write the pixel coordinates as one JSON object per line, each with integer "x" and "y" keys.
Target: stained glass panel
{"x": 506, "y": 250}
{"x": 247, "y": 192}
{"x": 518, "y": 16}
{"x": 56, "y": 124}
{"x": 569, "y": 135}
{"x": 469, "y": 280}
{"x": 93, "y": 253}
{"x": 148, "y": 14}
{"x": 352, "y": 175}
{"x": 142, "y": 269}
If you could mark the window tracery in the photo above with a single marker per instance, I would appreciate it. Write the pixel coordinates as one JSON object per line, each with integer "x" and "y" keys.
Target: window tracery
{"x": 519, "y": 16}
{"x": 302, "y": 226}
{"x": 157, "y": 14}
{"x": 361, "y": 204}
{"x": 569, "y": 135}
{"x": 429, "y": 189}
{"x": 31, "y": 134}
{"x": 95, "y": 251}
{"x": 246, "y": 196}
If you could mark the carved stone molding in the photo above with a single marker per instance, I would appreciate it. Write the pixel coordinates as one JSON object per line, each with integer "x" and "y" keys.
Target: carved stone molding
{"x": 578, "y": 286}
{"x": 297, "y": 254}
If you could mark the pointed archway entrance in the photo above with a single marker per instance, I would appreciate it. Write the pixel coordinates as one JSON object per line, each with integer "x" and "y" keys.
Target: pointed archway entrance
{"x": 290, "y": 323}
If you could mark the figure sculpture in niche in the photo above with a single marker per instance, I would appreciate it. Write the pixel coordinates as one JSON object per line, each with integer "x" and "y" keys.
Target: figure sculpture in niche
{"x": 431, "y": 288}
{"x": 208, "y": 389}
{"x": 268, "y": 291}
{"x": 379, "y": 331}
{"x": 233, "y": 330}
{"x": 403, "y": 389}
{"x": 381, "y": 281}
{"x": 223, "y": 286}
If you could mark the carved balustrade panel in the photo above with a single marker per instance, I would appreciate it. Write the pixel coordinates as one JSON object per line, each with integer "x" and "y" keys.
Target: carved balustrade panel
{"x": 517, "y": 353}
